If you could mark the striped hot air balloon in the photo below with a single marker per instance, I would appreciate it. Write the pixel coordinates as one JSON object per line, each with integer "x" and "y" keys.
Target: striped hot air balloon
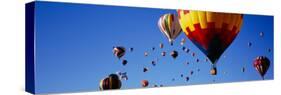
{"x": 110, "y": 82}
{"x": 169, "y": 26}
{"x": 211, "y": 32}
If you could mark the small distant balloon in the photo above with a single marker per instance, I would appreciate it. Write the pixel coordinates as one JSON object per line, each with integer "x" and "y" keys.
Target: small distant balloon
{"x": 181, "y": 75}
{"x": 145, "y": 69}
{"x": 249, "y": 44}
{"x": 163, "y": 53}
{"x": 193, "y": 54}
{"x": 187, "y": 63}
{"x": 183, "y": 48}
{"x": 191, "y": 72}
{"x": 261, "y": 34}
{"x": 145, "y": 53}
{"x": 174, "y": 54}
{"x": 186, "y": 50}
{"x": 182, "y": 41}
{"x": 144, "y": 83}
{"x": 261, "y": 64}
{"x": 119, "y": 51}
{"x": 197, "y": 60}
{"x": 124, "y": 62}
{"x": 243, "y": 69}
{"x": 213, "y": 71}
{"x": 131, "y": 49}
{"x": 161, "y": 45}
{"x": 269, "y": 50}
{"x": 187, "y": 78}
{"x": 153, "y": 48}
{"x": 153, "y": 63}
{"x": 173, "y": 79}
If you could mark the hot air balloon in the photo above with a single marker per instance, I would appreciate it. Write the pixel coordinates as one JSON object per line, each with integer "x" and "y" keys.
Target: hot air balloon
{"x": 191, "y": 72}
{"x": 193, "y": 54}
{"x": 153, "y": 63}
{"x": 174, "y": 54}
{"x": 261, "y": 34}
{"x": 110, "y": 82}
{"x": 182, "y": 41}
{"x": 131, "y": 49}
{"x": 144, "y": 83}
{"x": 161, "y": 45}
{"x": 261, "y": 63}
{"x": 187, "y": 50}
{"x": 187, "y": 78}
{"x": 249, "y": 44}
{"x": 183, "y": 48}
{"x": 211, "y": 32}
{"x": 145, "y": 69}
{"x": 145, "y": 53}
{"x": 169, "y": 26}
{"x": 197, "y": 60}
{"x": 243, "y": 69}
{"x": 119, "y": 51}
{"x": 153, "y": 48}
{"x": 269, "y": 50}
{"x": 181, "y": 75}
{"x": 213, "y": 71}
{"x": 163, "y": 53}
{"x": 124, "y": 62}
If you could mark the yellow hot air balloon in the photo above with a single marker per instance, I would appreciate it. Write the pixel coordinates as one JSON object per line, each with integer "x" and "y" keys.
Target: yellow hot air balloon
{"x": 211, "y": 32}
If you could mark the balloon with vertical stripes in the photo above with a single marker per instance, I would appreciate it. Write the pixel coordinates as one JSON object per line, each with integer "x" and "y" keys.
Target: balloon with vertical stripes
{"x": 169, "y": 26}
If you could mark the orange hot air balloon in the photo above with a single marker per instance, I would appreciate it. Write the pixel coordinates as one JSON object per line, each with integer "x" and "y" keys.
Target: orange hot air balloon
{"x": 211, "y": 32}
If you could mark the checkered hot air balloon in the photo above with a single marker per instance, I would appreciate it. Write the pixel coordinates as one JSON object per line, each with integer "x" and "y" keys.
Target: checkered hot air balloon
{"x": 211, "y": 32}
{"x": 169, "y": 26}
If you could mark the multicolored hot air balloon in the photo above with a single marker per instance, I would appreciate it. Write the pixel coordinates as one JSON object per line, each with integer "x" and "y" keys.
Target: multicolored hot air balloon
{"x": 110, "y": 82}
{"x": 211, "y": 32}
{"x": 261, "y": 63}
{"x": 169, "y": 26}
{"x": 119, "y": 51}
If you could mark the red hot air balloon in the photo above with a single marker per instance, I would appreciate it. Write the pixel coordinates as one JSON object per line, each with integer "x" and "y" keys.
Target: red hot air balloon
{"x": 144, "y": 83}
{"x": 261, "y": 63}
{"x": 119, "y": 51}
{"x": 211, "y": 32}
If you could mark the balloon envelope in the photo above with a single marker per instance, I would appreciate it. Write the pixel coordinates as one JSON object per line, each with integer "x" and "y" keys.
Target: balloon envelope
{"x": 261, "y": 64}
{"x": 144, "y": 83}
{"x": 211, "y": 32}
{"x": 110, "y": 82}
{"x": 119, "y": 51}
{"x": 169, "y": 26}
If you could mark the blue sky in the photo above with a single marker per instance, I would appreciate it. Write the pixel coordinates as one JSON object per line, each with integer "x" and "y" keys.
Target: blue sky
{"x": 74, "y": 49}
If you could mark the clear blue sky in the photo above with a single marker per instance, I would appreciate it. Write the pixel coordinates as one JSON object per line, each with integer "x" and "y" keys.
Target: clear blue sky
{"x": 74, "y": 49}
